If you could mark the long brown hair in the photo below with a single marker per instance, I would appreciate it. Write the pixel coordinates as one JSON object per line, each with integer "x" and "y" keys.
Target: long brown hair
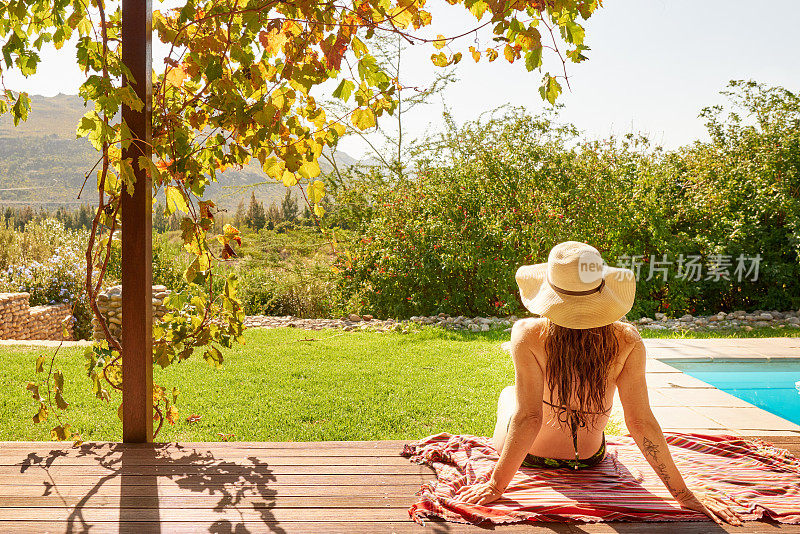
{"x": 578, "y": 363}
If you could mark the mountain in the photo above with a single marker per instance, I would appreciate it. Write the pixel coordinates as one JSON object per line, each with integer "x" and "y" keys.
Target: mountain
{"x": 42, "y": 163}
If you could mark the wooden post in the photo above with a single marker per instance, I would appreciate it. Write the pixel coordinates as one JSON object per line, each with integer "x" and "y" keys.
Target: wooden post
{"x": 137, "y": 238}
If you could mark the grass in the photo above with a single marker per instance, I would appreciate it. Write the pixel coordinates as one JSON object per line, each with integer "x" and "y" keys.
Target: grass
{"x": 759, "y": 332}
{"x": 283, "y": 386}
{"x": 297, "y": 385}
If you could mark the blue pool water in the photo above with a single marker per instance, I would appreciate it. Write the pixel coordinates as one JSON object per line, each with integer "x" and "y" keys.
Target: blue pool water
{"x": 771, "y": 385}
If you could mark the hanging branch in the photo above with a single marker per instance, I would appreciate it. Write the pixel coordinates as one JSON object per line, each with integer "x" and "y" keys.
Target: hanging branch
{"x": 237, "y": 86}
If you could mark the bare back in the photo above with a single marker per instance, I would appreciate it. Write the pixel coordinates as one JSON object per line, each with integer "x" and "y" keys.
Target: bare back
{"x": 554, "y": 439}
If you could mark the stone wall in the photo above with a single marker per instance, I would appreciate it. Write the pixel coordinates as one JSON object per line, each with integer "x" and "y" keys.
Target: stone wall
{"x": 110, "y": 304}
{"x": 19, "y": 321}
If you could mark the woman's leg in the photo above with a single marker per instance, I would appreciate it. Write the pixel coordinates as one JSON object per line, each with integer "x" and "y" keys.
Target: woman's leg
{"x": 506, "y": 406}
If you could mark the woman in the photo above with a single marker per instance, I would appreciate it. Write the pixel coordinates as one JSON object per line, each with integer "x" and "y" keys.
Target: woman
{"x": 567, "y": 365}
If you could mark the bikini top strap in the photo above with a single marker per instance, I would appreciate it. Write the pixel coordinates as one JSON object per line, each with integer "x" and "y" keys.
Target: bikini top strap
{"x": 563, "y": 414}
{"x": 573, "y": 420}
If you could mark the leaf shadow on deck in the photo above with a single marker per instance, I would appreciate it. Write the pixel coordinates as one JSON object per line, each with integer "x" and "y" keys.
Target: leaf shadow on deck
{"x": 242, "y": 488}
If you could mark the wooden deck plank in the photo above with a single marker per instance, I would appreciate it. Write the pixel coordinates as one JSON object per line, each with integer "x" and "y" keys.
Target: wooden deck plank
{"x": 382, "y": 527}
{"x": 202, "y": 500}
{"x": 315, "y": 445}
{"x": 112, "y": 489}
{"x": 219, "y": 469}
{"x": 207, "y": 515}
{"x": 207, "y": 462}
{"x": 291, "y": 488}
{"x": 288, "y": 448}
{"x": 222, "y": 480}
{"x": 12, "y": 457}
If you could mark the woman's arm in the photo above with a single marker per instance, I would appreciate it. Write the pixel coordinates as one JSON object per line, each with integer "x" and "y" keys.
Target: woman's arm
{"x": 647, "y": 434}
{"x": 526, "y": 421}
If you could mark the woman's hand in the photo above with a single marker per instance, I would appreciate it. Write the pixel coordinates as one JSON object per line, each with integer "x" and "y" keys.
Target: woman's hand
{"x": 712, "y": 506}
{"x": 481, "y": 493}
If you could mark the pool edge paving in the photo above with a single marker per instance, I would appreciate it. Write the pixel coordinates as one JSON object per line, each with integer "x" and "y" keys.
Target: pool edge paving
{"x": 683, "y": 403}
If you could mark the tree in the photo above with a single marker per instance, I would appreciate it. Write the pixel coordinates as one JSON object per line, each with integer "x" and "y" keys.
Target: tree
{"x": 289, "y": 208}
{"x": 274, "y": 215}
{"x": 389, "y": 54}
{"x": 85, "y": 215}
{"x": 159, "y": 219}
{"x": 241, "y": 214}
{"x": 23, "y": 218}
{"x": 237, "y": 85}
{"x": 256, "y": 217}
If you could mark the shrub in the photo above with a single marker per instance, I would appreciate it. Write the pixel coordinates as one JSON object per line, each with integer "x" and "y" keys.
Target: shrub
{"x": 47, "y": 261}
{"x": 288, "y": 272}
{"x": 496, "y": 194}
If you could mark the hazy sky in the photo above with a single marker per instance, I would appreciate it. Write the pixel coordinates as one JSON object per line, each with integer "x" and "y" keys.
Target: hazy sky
{"x": 653, "y": 65}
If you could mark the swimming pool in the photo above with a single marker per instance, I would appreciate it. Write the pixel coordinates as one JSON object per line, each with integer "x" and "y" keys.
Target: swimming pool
{"x": 772, "y": 385}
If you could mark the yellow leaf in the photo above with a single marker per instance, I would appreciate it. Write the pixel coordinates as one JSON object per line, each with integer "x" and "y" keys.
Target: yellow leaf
{"x": 358, "y": 46}
{"x": 60, "y": 402}
{"x": 425, "y": 18}
{"x": 59, "y": 433}
{"x": 309, "y": 169}
{"x": 289, "y": 178}
{"x": 274, "y": 167}
{"x": 272, "y": 41}
{"x": 176, "y": 76}
{"x": 175, "y": 200}
{"x": 509, "y": 53}
{"x": 476, "y": 55}
{"x": 316, "y": 190}
{"x": 127, "y": 175}
{"x": 478, "y": 9}
{"x": 440, "y": 41}
{"x": 319, "y": 211}
{"x": 363, "y": 119}
{"x": 440, "y": 60}
{"x": 41, "y": 415}
{"x": 402, "y": 16}
{"x": 292, "y": 27}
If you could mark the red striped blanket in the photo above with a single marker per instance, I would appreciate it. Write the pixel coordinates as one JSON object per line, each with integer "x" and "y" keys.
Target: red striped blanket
{"x": 762, "y": 480}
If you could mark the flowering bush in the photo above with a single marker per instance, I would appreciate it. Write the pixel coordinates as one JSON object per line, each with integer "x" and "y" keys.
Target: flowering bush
{"x": 52, "y": 270}
{"x": 486, "y": 199}
{"x": 493, "y": 195}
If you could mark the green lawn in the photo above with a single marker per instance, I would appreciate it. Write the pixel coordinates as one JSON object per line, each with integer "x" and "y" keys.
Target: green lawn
{"x": 298, "y": 385}
{"x": 281, "y": 386}
{"x": 767, "y": 331}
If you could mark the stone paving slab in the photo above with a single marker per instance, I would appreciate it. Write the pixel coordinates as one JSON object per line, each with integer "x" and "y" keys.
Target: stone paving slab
{"x": 706, "y": 397}
{"x": 680, "y": 418}
{"x": 747, "y": 418}
{"x": 683, "y": 403}
{"x": 677, "y": 380}
{"x": 767, "y": 348}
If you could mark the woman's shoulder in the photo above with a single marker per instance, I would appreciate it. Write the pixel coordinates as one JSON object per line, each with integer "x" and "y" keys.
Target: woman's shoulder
{"x": 628, "y": 337}
{"x": 527, "y": 331}
{"x": 529, "y": 325}
{"x": 627, "y": 333}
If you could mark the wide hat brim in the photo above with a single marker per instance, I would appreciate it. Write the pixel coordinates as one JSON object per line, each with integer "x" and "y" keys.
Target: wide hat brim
{"x": 597, "y": 309}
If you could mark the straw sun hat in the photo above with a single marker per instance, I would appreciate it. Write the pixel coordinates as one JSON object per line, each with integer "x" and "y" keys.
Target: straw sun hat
{"x": 575, "y": 288}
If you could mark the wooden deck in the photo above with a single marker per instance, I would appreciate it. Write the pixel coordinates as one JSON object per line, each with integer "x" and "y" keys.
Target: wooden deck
{"x": 238, "y": 488}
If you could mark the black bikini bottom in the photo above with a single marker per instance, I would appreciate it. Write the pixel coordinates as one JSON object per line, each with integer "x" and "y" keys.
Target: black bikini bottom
{"x": 554, "y": 463}
{"x": 532, "y": 460}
